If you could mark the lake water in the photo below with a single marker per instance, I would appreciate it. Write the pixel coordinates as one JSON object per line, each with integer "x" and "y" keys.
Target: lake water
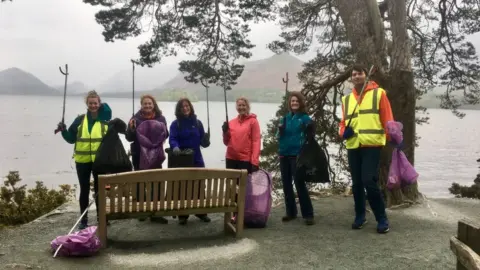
{"x": 447, "y": 153}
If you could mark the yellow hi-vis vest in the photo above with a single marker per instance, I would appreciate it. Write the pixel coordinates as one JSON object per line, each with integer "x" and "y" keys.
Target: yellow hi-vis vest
{"x": 366, "y": 123}
{"x": 87, "y": 143}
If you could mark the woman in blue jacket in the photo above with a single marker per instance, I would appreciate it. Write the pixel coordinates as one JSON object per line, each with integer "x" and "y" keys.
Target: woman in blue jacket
{"x": 291, "y": 136}
{"x": 187, "y": 132}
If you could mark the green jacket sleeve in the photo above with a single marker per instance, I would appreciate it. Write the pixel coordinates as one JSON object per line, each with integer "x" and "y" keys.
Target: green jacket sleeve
{"x": 70, "y": 135}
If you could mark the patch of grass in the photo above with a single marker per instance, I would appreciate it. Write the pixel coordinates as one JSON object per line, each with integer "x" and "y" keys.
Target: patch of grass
{"x": 19, "y": 205}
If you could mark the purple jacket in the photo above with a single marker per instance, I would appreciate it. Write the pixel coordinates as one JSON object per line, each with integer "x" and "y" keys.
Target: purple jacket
{"x": 131, "y": 136}
{"x": 187, "y": 132}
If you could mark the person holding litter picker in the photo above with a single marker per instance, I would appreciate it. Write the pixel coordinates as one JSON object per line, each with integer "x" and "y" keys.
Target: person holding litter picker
{"x": 187, "y": 135}
{"x": 367, "y": 110}
{"x": 292, "y": 132}
{"x": 86, "y": 132}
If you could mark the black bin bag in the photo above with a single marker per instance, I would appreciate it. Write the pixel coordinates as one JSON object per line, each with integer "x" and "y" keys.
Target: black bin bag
{"x": 312, "y": 162}
{"x": 111, "y": 156}
{"x": 184, "y": 159}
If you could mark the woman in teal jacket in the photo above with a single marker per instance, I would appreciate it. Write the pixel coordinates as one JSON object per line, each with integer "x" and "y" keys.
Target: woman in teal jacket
{"x": 291, "y": 136}
{"x": 97, "y": 112}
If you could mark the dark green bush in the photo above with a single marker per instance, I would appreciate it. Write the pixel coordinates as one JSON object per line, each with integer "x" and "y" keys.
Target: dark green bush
{"x": 19, "y": 205}
{"x": 472, "y": 191}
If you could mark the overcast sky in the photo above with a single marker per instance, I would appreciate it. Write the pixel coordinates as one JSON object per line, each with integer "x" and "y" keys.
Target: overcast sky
{"x": 40, "y": 35}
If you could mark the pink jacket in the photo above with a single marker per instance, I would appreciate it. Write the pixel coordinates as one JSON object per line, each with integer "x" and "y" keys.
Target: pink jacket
{"x": 243, "y": 139}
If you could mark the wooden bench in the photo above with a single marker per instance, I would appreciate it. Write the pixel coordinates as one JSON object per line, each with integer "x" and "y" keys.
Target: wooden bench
{"x": 466, "y": 245}
{"x": 179, "y": 191}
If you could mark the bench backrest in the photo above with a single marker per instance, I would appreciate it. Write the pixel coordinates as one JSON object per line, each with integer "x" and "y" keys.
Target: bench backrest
{"x": 171, "y": 189}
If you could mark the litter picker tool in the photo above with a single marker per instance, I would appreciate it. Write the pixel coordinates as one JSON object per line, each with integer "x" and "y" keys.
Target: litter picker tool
{"x": 208, "y": 106}
{"x": 370, "y": 72}
{"x": 65, "y": 73}
{"x": 133, "y": 87}
{"x": 225, "y": 93}
{"x": 285, "y": 81}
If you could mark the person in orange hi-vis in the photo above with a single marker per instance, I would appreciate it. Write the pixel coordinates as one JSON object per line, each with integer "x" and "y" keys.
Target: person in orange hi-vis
{"x": 363, "y": 129}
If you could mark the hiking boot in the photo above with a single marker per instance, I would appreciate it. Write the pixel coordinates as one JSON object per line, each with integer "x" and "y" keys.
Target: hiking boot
{"x": 204, "y": 218}
{"x": 382, "y": 226}
{"x": 358, "y": 223}
{"x": 288, "y": 218}
{"x": 160, "y": 220}
{"x": 83, "y": 225}
{"x": 309, "y": 221}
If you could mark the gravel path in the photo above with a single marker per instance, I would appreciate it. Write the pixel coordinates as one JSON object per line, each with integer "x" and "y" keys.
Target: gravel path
{"x": 419, "y": 239}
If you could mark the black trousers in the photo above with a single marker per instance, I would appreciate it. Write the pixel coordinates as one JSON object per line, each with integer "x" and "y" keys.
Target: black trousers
{"x": 238, "y": 165}
{"x": 364, "y": 164}
{"x": 84, "y": 171}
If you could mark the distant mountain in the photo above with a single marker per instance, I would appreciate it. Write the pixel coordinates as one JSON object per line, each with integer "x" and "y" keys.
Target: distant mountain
{"x": 261, "y": 81}
{"x": 74, "y": 88}
{"x": 14, "y": 81}
{"x": 145, "y": 79}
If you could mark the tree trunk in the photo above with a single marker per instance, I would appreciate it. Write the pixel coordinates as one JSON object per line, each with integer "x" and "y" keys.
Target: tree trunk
{"x": 367, "y": 36}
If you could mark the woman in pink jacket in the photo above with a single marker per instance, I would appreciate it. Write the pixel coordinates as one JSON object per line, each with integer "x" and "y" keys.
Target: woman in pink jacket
{"x": 242, "y": 137}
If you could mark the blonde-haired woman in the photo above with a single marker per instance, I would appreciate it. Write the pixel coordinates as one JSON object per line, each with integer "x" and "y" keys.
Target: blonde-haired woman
{"x": 86, "y": 132}
{"x": 242, "y": 137}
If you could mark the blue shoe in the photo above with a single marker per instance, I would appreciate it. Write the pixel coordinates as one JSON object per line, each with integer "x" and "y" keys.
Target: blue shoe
{"x": 358, "y": 223}
{"x": 382, "y": 226}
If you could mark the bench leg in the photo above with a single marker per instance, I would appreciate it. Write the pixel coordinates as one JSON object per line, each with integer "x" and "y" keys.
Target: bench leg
{"x": 227, "y": 222}
{"x": 102, "y": 230}
{"x": 240, "y": 221}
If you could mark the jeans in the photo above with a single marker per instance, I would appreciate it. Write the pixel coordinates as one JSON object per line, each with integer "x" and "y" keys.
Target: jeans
{"x": 84, "y": 170}
{"x": 287, "y": 169}
{"x": 364, "y": 164}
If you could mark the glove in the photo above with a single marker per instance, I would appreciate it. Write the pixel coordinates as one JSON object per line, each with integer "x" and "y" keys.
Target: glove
{"x": 176, "y": 151}
{"x": 253, "y": 168}
{"x": 225, "y": 127}
{"x": 397, "y": 146}
{"x": 132, "y": 124}
{"x": 205, "y": 140}
{"x": 188, "y": 151}
{"x": 61, "y": 126}
{"x": 347, "y": 133}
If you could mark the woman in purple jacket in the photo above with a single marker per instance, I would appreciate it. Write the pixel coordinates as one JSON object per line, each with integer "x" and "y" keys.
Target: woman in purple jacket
{"x": 148, "y": 111}
{"x": 187, "y": 132}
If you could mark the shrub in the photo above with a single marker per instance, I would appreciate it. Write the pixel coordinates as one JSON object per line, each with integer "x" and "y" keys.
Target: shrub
{"x": 19, "y": 205}
{"x": 472, "y": 191}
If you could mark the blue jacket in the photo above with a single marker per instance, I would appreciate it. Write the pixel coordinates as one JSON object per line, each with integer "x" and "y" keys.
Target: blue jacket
{"x": 104, "y": 114}
{"x": 187, "y": 132}
{"x": 293, "y": 137}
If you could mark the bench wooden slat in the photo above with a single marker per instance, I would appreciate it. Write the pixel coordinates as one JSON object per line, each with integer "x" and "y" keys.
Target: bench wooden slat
{"x": 126, "y": 195}
{"x": 155, "y": 196}
{"x": 141, "y": 197}
{"x": 221, "y": 199}
{"x": 209, "y": 193}
{"x": 196, "y": 189}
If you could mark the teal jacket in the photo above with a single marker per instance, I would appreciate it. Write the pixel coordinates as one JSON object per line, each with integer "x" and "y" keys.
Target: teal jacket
{"x": 104, "y": 114}
{"x": 291, "y": 141}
